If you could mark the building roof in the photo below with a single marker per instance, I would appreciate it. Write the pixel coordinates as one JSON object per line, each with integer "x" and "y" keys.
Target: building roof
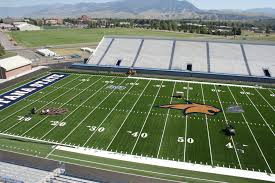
{"x": 46, "y": 52}
{"x": 25, "y": 26}
{"x": 15, "y": 62}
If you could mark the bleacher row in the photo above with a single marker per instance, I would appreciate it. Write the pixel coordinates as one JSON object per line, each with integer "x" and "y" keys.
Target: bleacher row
{"x": 11, "y": 173}
{"x": 182, "y": 55}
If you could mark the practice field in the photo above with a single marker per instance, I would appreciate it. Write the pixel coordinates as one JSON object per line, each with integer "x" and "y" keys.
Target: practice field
{"x": 121, "y": 114}
{"x": 73, "y": 36}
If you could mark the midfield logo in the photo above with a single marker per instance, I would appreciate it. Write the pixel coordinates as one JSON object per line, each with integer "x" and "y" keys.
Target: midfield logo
{"x": 190, "y": 108}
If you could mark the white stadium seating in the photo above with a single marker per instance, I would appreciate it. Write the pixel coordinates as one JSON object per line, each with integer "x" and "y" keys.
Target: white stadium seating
{"x": 155, "y": 54}
{"x": 122, "y": 49}
{"x": 190, "y": 53}
{"x": 100, "y": 50}
{"x": 260, "y": 57}
{"x": 227, "y": 58}
{"x": 219, "y": 57}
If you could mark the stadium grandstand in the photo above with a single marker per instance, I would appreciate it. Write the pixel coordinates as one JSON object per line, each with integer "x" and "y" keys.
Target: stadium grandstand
{"x": 185, "y": 57}
{"x": 11, "y": 173}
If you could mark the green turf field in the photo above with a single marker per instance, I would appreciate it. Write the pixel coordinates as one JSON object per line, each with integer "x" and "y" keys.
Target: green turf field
{"x": 122, "y": 114}
{"x": 73, "y": 36}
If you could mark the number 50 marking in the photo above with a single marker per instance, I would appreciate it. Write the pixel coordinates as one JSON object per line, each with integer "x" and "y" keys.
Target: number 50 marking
{"x": 189, "y": 140}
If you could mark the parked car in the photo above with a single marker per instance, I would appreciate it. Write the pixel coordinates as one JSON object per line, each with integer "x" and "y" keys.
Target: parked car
{"x": 58, "y": 58}
{"x": 75, "y": 56}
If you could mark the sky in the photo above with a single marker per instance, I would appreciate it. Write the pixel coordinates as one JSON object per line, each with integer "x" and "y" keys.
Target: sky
{"x": 202, "y": 4}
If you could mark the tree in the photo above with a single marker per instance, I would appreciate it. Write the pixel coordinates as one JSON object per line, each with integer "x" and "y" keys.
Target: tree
{"x": 1, "y": 20}
{"x": 267, "y": 30}
{"x": 2, "y": 51}
{"x": 163, "y": 25}
{"x": 239, "y": 31}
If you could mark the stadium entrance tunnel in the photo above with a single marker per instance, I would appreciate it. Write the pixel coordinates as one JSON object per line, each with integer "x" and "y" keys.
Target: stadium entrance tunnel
{"x": 189, "y": 67}
{"x": 118, "y": 62}
{"x": 267, "y": 73}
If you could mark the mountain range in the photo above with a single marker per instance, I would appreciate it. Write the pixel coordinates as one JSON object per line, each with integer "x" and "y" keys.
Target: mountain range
{"x": 158, "y": 9}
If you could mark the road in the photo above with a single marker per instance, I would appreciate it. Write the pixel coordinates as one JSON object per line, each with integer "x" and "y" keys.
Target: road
{"x": 6, "y": 43}
{"x": 40, "y": 60}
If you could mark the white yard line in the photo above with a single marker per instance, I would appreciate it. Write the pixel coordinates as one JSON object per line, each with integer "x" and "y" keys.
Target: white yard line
{"x": 37, "y": 109}
{"x": 227, "y": 124}
{"x": 59, "y": 107}
{"x": 208, "y": 135}
{"x": 128, "y": 115}
{"x": 266, "y": 100}
{"x": 195, "y": 82}
{"x": 108, "y": 114}
{"x": 185, "y": 131}
{"x": 146, "y": 118}
{"x": 139, "y": 170}
{"x": 252, "y": 133}
{"x": 259, "y": 112}
{"x": 86, "y": 115}
{"x": 164, "y": 128}
{"x": 38, "y": 99}
{"x": 154, "y": 161}
{"x": 116, "y": 166}
{"x": 171, "y": 164}
{"x": 271, "y": 91}
{"x": 77, "y": 107}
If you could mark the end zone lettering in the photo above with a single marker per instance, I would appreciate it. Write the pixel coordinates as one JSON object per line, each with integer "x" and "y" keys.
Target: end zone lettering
{"x": 28, "y": 89}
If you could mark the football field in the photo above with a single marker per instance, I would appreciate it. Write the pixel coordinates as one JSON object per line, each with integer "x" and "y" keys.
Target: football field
{"x": 122, "y": 114}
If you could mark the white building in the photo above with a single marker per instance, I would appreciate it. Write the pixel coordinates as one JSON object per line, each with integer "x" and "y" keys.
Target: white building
{"x": 46, "y": 52}
{"x": 13, "y": 66}
{"x": 24, "y": 26}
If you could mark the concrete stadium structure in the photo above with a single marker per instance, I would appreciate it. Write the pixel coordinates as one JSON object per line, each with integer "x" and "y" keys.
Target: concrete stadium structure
{"x": 185, "y": 57}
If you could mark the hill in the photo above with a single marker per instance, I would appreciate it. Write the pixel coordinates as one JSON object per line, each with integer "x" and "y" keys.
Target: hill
{"x": 148, "y": 9}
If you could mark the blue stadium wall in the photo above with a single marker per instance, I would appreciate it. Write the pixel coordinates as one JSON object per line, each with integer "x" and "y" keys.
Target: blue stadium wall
{"x": 174, "y": 73}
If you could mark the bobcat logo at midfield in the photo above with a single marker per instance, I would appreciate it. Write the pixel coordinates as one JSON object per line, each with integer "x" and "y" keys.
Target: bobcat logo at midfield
{"x": 190, "y": 108}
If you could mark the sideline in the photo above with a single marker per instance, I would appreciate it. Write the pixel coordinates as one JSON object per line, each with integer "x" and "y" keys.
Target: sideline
{"x": 132, "y": 174}
{"x": 153, "y": 161}
{"x": 171, "y": 164}
{"x": 197, "y": 82}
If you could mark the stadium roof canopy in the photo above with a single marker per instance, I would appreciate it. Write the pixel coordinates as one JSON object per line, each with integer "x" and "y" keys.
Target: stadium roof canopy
{"x": 15, "y": 62}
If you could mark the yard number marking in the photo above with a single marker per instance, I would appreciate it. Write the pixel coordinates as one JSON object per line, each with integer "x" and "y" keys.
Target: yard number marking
{"x": 135, "y": 134}
{"x": 246, "y": 93}
{"x": 219, "y": 91}
{"x": 23, "y": 118}
{"x": 133, "y": 84}
{"x": 93, "y": 128}
{"x": 186, "y": 88}
{"x": 84, "y": 80}
{"x": 229, "y": 145}
{"x": 58, "y": 123}
{"x": 189, "y": 140}
{"x": 160, "y": 86}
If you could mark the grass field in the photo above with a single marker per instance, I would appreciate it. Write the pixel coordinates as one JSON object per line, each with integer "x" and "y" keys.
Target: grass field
{"x": 129, "y": 120}
{"x": 8, "y": 54}
{"x": 73, "y": 36}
